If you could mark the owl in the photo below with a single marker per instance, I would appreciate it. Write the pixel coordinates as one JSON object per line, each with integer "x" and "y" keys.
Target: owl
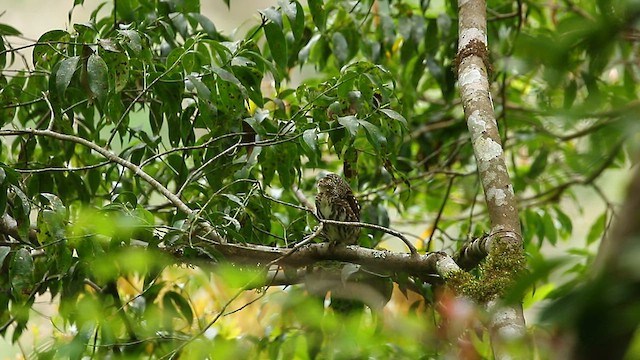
{"x": 335, "y": 201}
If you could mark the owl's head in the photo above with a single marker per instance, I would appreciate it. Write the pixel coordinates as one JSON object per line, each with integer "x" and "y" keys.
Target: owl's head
{"x": 334, "y": 184}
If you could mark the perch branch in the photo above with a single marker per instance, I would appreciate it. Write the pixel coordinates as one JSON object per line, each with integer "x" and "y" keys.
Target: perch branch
{"x": 430, "y": 264}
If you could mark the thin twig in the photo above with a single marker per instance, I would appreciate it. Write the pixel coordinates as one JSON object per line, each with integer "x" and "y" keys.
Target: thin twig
{"x": 52, "y": 114}
{"x": 62, "y": 169}
{"x": 303, "y": 199}
{"x": 397, "y": 234}
{"x": 146, "y": 88}
{"x": 175, "y": 200}
{"x": 198, "y": 170}
{"x": 440, "y": 211}
{"x": 302, "y": 243}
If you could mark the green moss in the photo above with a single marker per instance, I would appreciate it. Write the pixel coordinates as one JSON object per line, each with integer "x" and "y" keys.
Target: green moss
{"x": 497, "y": 274}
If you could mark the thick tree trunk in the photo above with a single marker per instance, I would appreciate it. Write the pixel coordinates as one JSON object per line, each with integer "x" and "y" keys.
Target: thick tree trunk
{"x": 507, "y": 322}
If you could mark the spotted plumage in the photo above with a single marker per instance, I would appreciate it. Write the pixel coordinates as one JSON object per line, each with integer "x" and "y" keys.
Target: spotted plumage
{"x": 335, "y": 201}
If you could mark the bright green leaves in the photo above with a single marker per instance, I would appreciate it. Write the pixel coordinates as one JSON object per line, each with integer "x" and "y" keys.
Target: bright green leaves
{"x": 351, "y": 123}
{"x": 352, "y": 112}
{"x": 230, "y": 78}
{"x": 597, "y": 229}
{"x": 548, "y": 224}
{"x": 373, "y": 134}
{"x": 310, "y": 146}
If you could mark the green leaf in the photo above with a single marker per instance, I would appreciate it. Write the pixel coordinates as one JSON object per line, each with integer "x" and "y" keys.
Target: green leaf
{"x": 97, "y": 72}
{"x": 286, "y": 164}
{"x": 310, "y": 138}
{"x": 570, "y": 92}
{"x": 277, "y": 44}
{"x": 534, "y": 225}
{"x": 340, "y": 47}
{"x": 310, "y": 146}
{"x": 21, "y": 274}
{"x": 7, "y": 30}
{"x": 207, "y": 25}
{"x": 22, "y": 208}
{"x": 539, "y": 164}
{"x": 295, "y": 14}
{"x": 317, "y": 13}
{"x": 597, "y": 229}
{"x": 4, "y": 251}
{"x": 65, "y": 72}
{"x": 172, "y": 299}
{"x": 229, "y": 77}
{"x": 375, "y": 136}
{"x": 550, "y": 230}
{"x": 132, "y": 40}
{"x": 350, "y": 123}
{"x": 394, "y": 115}
{"x": 566, "y": 225}
{"x": 201, "y": 89}
{"x": 119, "y": 66}
{"x": 272, "y": 14}
{"x": 3, "y": 54}
{"x": 49, "y": 47}
{"x": 55, "y": 204}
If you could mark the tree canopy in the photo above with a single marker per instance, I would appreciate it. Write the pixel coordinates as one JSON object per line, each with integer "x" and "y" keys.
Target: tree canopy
{"x": 157, "y": 179}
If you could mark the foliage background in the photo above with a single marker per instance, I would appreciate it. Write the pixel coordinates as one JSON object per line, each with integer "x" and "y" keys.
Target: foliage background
{"x": 545, "y": 92}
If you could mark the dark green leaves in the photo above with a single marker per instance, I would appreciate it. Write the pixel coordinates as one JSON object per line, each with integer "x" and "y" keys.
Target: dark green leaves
{"x": 340, "y": 47}
{"x": 97, "y": 73}
{"x": 8, "y": 30}
{"x": 317, "y": 12}
{"x": 351, "y": 123}
{"x": 21, "y": 274}
{"x": 66, "y": 70}
{"x": 175, "y": 302}
{"x": 277, "y": 44}
{"x": 3, "y": 55}
{"x": 4, "y": 251}
{"x": 132, "y": 40}
{"x": 49, "y": 47}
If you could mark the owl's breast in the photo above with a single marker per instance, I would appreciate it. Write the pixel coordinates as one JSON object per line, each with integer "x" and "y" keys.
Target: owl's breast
{"x": 324, "y": 208}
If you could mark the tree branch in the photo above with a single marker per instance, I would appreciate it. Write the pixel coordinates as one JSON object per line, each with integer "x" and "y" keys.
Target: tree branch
{"x": 427, "y": 265}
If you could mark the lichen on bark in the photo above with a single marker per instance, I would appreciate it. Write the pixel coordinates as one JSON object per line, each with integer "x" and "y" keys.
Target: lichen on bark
{"x": 499, "y": 271}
